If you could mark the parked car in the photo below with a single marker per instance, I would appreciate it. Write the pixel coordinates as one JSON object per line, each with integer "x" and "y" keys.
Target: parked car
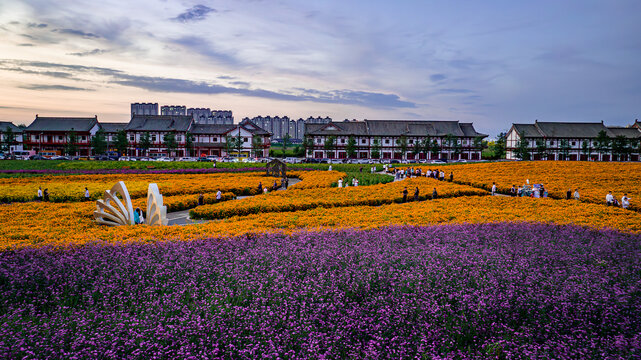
{"x": 164, "y": 159}
{"x": 144, "y": 158}
{"x": 461, "y": 161}
{"x": 204, "y": 159}
{"x": 127, "y": 158}
{"x": 438, "y": 162}
{"x": 394, "y": 161}
{"x": 37, "y": 157}
{"x": 59, "y": 157}
{"x": 187, "y": 158}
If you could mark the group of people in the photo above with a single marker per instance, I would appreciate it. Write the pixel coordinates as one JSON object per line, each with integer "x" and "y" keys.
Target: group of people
{"x": 354, "y": 182}
{"x": 284, "y": 183}
{"x": 416, "y": 193}
{"x": 412, "y": 172}
{"x": 536, "y": 192}
{"x": 610, "y": 200}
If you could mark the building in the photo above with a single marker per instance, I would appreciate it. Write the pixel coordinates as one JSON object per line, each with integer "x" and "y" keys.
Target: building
{"x": 157, "y": 127}
{"x": 573, "y": 141}
{"x": 144, "y": 109}
{"x": 212, "y": 139}
{"x": 395, "y": 139}
{"x": 111, "y": 131}
{"x": 282, "y": 126}
{"x": 51, "y": 135}
{"x": 17, "y": 133}
{"x": 173, "y": 110}
{"x": 207, "y": 116}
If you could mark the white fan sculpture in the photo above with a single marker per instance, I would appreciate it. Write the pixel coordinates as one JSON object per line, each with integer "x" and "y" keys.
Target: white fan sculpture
{"x": 111, "y": 210}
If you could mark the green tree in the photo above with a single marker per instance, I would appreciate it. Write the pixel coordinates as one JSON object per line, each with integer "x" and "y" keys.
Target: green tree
{"x": 121, "y": 142}
{"x": 350, "y": 149}
{"x": 478, "y": 143}
{"x": 230, "y": 144}
{"x": 435, "y": 149}
{"x": 71, "y": 148}
{"x": 450, "y": 140}
{"x": 286, "y": 142}
{"x": 376, "y": 148}
{"x": 330, "y": 143}
{"x": 602, "y": 142}
{"x": 308, "y": 143}
{"x": 565, "y": 149}
{"x": 586, "y": 148}
{"x": 299, "y": 151}
{"x": 633, "y": 146}
{"x": 619, "y": 147}
{"x": 498, "y": 147}
{"x": 189, "y": 143}
{"x": 145, "y": 142}
{"x": 99, "y": 143}
{"x": 402, "y": 143}
{"x": 542, "y": 149}
{"x": 457, "y": 149}
{"x": 257, "y": 146}
{"x": 9, "y": 140}
{"x": 521, "y": 152}
{"x": 417, "y": 148}
{"x": 170, "y": 142}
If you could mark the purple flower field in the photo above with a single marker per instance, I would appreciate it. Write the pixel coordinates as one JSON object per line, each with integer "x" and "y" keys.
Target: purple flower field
{"x": 458, "y": 291}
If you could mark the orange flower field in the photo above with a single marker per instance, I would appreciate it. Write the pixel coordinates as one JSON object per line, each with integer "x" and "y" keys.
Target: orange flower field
{"x": 295, "y": 200}
{"x": 37, "y": 224}
{"x": 593, "y": 179}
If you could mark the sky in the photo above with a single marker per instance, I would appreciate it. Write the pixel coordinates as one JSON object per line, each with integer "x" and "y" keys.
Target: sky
{"x": 491, "y": 62}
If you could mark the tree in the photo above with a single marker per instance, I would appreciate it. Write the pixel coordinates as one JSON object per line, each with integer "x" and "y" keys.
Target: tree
{"x": 257, "y": 146}
{"x": 350, "y": 149}
{"x": 457, "y": 148}
{"x": 376, "y": 148}
{"x": 286, "y": 143}
{"x": 521, "y": 152}
{"x": 427, "y": 144}
{"x": 330, "y": 143}
{"x": 299, "y": 151}
{"x": 308, "y": 143}
{"x": 541, "y": 149}
{"x": 71, "y": 148}
{"x": 99, "y": 143}
{"x": 478, "y": 143}
{"x": 402, "y": 143}
{"x": 633, "y": 146}
{"x": 230, "y": 143}
{"x": 145, "y": 142}
{"x": 564, "y": 147}
{"x": 189, "y": 143}
{"x": 586, "y": 148}
{"x": 619, "y": 147}
{"x": 499, "y": 145}
{"x": 602, "y": 142}
{"x": 417, "y": 148}
{"x": 9, "y": 139}
{"x": 435, "y": 149}
{"x": 449, "y": 140}
{"x": 170, "y": 142}
{"x": 121, "y": 142}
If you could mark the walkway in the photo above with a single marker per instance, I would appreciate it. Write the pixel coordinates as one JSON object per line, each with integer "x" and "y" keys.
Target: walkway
{"x": 182, "y": 217}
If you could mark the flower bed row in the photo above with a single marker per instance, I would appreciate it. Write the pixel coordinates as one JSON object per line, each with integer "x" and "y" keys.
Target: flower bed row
{"x": 466, "y": 291}
{"x": 295, "y": 200}
{"x": 315, "y": 179}
{"x": 65, "y": 224}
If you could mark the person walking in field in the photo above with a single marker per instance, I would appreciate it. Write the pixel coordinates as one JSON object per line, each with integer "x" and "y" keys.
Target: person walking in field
{"x": 416, "y": 194}
{"x": 493, "y": 189}
{"x": 576, "y": 194}
{"x": 434, "y": 194}
{"x": 340, "y": 183}
{"x": 219, "y": 195}
{"x": 46, "y": 195}
{"x": 86, "y": 194}
{"x": 513, "y": 191}
{"x": 201, "y": 199}
{"x": 568, "y": 195}
{"x": 405, "y": 195}
{"x": 260, "y": 187}
{"x": 275, "y": 187}
{"x": 451, "y": 176}
{"x": 39, "y": 193}
{"x": 625, "y": 201}
{"x": 609, "y": 199}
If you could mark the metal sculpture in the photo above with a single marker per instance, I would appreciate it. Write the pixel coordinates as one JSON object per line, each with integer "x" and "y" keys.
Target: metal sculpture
{"x": 112, "y": 211}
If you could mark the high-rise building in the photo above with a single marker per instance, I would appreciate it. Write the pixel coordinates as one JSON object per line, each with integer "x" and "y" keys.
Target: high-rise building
{"x": 281, "y": 126}
{"x": 144, "y": 109}
{"x": 173, "y": 110}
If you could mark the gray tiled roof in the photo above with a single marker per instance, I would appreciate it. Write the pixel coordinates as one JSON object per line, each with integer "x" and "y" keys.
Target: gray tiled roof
{"x": 628, "y": 132}
{"x": 213, "y": 129}
{"x": 112, "y": 127}
{"x": 529, "y": 130}
{"x": 5, "y": 124}
{"x": 62, "y": 124}
{"x": 394, "y": 128}
{"x": 571, "y": 129}
{"x": 159, "y": 123}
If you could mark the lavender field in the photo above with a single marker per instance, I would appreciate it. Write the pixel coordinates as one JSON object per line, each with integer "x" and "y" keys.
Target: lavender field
{"x": 467, "y": 291}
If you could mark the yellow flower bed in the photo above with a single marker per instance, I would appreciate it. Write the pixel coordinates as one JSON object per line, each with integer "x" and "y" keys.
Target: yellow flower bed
{"x": 37, "y": 224}
{"x": 183, "y": 202}
{"x": 71, "y": 188}
{"x": 294, "y": 200}
{"x": 315, "y": 179}
{"x": 593, "y": 179}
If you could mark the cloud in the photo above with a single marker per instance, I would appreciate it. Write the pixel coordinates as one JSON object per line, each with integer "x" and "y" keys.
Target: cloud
{"x": 455, "y": 91}
{"x": 87, "y": 53}
{"x": 25, "y": 44}
{"x": 202, "y": 46}
{"x": 438, "y": 77}
{"x": 225, "y": 77}
{"x": 75, "y": 32}
{"x": 42, "y": 87}
{"x": 196, "y": 13}
{"x": 35, "y": 25}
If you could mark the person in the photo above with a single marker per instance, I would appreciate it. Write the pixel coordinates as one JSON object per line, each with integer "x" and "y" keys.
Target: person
{"x": 537, "y": 193}
{"x": 513, "y": 191}
{"x": 330, "y": 167}
{"x": 46, "y": 195}
{"x": 201, "y": 199}
{"x": 356, "y": 183}
{"x": 493, "y": 189}
{"x": 428, "y": 173}
{"x": 519, "y": 192}
{"x": 260, "y": 187}
{"x": 275, "y": 187}
{"x": 451, "y": 176}
{"x": 138, "y": 218}
{"x": 219, "y": 195}
{"x": 353, "y": 181}
{"x": 545, "y": 192}
{"x": 340, "y": 183}
{"x": 214, "y": 164}
{"x": 265, "y": 191}
{"x": 434, "y": 194}
{"x": 405, "y": 194}
{"x": 576, "y": 194}
{"x": 625, "y": 201}
{"x": 361, "y": 169}
{"x": 284, "y": 183}
{"x": 416, "y": 194}
{"x": 568, "y": 195}
{"x": 442, "y": 175}
{"x": 609, "y": 199}
{"x": 86, "y": 194}
{"x": 40, "y": 193}
{"x": 371, "y": 170}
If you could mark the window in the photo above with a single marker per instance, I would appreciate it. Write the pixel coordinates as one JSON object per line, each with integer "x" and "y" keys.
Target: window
{"x": 342, "y": 141}
{"x": 59, "y": 137}
{"x": 318, "y": 140}
{"x": 551, "y": 142}
{"x": 573, "y": 143}
{"x": 386, "y": 141}
{"x": 132, "y": 138}
{"x": 179, "y": 138}
{"x": 411, "y": 142}
{"x": 215, "y": 139}
{"x": 363, "y": 141}
{"x": 83, "y": 138}
{"x": 37, "y": 137}
{"x": 245, "y": 139}
{"x": 594, "y": 144}
{"x": 153, "y": 138}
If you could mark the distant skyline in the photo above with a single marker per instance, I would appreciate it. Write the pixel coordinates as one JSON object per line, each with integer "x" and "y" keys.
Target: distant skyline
{"x": 488, "y": 62}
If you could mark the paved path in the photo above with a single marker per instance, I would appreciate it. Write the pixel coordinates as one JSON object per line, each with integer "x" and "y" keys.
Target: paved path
{"x": 182, "y": 217}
